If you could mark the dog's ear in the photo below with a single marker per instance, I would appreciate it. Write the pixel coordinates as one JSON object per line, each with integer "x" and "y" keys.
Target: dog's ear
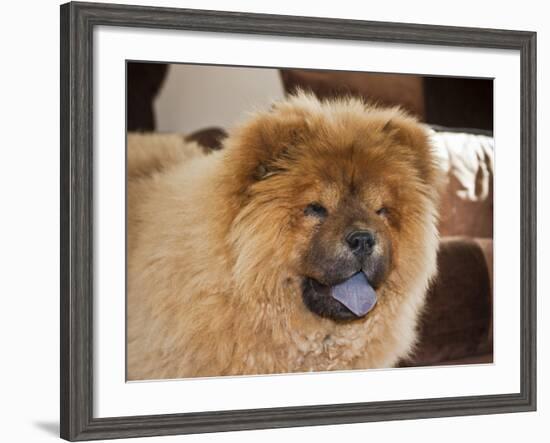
{"x": 269, "y": 143}
{"x": 272, "y": 166}
{"x": 407, "y": 132}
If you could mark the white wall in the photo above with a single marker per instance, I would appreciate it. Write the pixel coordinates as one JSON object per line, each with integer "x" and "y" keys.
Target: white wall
{"x": 194, "y": 97}
{"x": 29, "y": 187}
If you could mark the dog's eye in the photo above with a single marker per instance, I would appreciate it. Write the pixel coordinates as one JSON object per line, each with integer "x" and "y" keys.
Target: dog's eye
{"x": 316, "y": 210}
{"x": 382, "y": 212}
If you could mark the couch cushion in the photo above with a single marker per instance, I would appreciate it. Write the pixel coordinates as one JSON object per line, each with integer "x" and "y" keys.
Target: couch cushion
{"x": 456, "y": 322}
{"x": 467, "y": 200}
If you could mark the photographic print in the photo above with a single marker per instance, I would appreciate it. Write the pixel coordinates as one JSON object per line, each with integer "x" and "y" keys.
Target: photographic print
{"x": 287, "y": 220}
{"x": 272, "y": 221}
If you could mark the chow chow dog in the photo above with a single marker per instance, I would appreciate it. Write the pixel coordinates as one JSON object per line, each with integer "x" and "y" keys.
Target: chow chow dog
{"x": 306, "y": 244}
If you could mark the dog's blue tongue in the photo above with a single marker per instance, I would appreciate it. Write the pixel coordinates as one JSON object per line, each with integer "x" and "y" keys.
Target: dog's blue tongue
{"x": 356, "y": 294}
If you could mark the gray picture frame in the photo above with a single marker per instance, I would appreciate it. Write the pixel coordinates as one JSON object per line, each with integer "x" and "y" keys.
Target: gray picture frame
{"x": 78, "y": 21}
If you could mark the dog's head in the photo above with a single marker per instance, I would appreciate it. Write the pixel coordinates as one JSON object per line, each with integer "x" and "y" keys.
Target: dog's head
{"x": 334, "y": 202}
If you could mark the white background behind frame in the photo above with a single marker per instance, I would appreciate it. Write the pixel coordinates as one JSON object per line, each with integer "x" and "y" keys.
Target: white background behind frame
{"x": 114, "y": 397}
{"x": 31, "y": 144}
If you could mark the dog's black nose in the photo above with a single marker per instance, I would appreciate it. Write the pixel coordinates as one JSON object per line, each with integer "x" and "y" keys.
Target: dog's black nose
{"x": 361, "y": 242}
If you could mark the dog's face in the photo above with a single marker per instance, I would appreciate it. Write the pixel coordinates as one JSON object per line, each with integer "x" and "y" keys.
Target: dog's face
{"x": 328, "y": 193}
{"x": 352, "y": 228}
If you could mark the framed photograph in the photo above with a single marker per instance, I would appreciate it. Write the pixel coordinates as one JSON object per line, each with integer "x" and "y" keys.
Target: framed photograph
{"x": 273, "y": 221}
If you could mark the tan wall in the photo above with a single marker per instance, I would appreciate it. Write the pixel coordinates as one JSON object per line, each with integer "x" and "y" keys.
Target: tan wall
{"x": 194, "y": 97}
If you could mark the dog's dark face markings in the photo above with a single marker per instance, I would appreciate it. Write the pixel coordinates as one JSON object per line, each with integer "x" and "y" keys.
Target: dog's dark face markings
{"x": 352, "y": 237}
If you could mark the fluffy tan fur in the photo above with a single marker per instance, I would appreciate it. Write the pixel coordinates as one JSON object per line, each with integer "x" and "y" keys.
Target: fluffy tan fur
{"x": 216, "y": 242}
